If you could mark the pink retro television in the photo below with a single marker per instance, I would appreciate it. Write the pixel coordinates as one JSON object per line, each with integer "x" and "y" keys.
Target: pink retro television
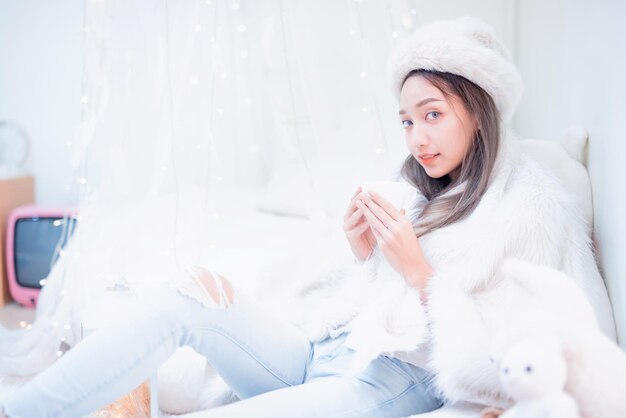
{"x": 34, "y": 237}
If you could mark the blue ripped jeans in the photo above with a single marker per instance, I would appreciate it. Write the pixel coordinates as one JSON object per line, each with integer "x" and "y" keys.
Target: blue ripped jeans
{"x": 267, "y": 362}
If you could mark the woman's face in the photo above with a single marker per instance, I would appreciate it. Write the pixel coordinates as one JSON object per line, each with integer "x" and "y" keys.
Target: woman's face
{"x": 435, "y": 126}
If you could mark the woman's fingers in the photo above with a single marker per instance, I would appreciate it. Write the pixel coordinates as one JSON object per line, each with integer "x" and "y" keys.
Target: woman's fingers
{"x": 390, "y": 210}
{"x": 359, "y": 229}
{"x": 380, "y": 214}
{"x": 378, "y": 227}
{"x": 352, "y": 205}
{"x": 353, "y": 220}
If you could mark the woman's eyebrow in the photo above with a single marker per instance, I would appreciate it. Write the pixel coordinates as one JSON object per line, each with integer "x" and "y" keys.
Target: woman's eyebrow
{"x": 421, "y": 103}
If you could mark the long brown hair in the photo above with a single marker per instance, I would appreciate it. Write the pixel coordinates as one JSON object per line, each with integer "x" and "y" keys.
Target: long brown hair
{"x": 451, "y": 201}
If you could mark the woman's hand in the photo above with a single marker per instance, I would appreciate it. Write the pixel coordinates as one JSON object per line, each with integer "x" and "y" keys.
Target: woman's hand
{"x": 395, "y": 237}
{"x": 358, "y": 231}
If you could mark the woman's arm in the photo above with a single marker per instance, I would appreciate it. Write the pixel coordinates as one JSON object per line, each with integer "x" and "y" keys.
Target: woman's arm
{"x": 418, "y": 278}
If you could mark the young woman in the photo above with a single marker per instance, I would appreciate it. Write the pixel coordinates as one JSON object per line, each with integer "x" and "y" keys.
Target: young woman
{"x": 483, "y": 203}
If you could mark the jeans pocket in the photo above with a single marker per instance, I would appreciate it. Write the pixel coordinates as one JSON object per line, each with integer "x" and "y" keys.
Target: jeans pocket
{"x": 395, "y": 367}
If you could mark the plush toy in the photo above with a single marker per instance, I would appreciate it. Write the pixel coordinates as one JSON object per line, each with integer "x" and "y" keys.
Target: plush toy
{"x": 569, "y": 367}
{"x": 558, "y": 309}
{"x": 533, "y": 372}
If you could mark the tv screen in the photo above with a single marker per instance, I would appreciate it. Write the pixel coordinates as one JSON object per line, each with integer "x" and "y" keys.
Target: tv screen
{"x": 37, "y": 244}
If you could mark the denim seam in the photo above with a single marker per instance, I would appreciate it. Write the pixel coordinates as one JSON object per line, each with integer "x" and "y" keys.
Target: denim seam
{"x": 378, "y": 406}
{"x": 116, "y": 377}
{"x": 393, "y": 366}
{"x": 250, "y": 352}
{"x": 309, "y": 361}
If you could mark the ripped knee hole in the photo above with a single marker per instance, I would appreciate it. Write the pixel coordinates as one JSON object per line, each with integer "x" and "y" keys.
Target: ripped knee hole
{"x": 218, "y": 288}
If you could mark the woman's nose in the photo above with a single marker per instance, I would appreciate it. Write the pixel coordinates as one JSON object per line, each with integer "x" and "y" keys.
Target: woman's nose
{"x": 418, "y": 138}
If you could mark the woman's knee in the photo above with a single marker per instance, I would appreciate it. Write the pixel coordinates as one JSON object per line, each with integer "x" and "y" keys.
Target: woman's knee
{"x": 219, "y": 291}
{"x": 170, "y": 311}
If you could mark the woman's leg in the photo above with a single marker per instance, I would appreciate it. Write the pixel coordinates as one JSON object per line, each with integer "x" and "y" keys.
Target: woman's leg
{"x": 383, "y": 390}
{"x": 252, "y": 351}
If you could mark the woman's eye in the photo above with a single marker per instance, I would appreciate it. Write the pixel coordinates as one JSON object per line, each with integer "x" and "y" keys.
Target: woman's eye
{"x": 406, "y": 123}
{"x": 432, "y": 115}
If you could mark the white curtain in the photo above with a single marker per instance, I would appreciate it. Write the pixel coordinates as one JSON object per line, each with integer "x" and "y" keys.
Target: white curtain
{"x": 214, "y": 132}
{"x": 223, "y": 94}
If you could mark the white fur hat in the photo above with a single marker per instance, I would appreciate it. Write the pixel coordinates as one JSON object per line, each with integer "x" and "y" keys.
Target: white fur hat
{"x": 467, "y": 47}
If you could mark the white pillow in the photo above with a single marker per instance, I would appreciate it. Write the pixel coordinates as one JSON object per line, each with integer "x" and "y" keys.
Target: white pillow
{"x": 565, "y": 159}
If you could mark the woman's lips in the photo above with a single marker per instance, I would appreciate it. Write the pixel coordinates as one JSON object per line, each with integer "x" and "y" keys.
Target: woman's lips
{"x": 428, "y": 159}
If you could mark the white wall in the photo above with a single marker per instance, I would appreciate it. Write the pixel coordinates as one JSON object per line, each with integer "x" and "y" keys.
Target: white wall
{"x": 571, "y": 56}
{"x": 40, "y": 80}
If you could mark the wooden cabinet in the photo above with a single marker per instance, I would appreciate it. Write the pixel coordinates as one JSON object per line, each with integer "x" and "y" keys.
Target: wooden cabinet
{"x": 14, "y": 192}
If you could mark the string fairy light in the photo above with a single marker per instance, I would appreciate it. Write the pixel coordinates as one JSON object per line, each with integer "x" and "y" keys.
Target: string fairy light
{"x": 394, "y": 33}
{"x": 172, "y": 132}
{"x": 242, "y": 41}
{"x": 355, "y": 8}
{"x": 282, "y": 14}
{"x": 405, "y": 16}
{"x": 78, "y": 189}
{"x": 211, "y": 101}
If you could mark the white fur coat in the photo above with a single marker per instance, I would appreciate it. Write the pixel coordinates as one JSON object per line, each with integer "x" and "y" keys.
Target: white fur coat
{"x": 526, "y": 214}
